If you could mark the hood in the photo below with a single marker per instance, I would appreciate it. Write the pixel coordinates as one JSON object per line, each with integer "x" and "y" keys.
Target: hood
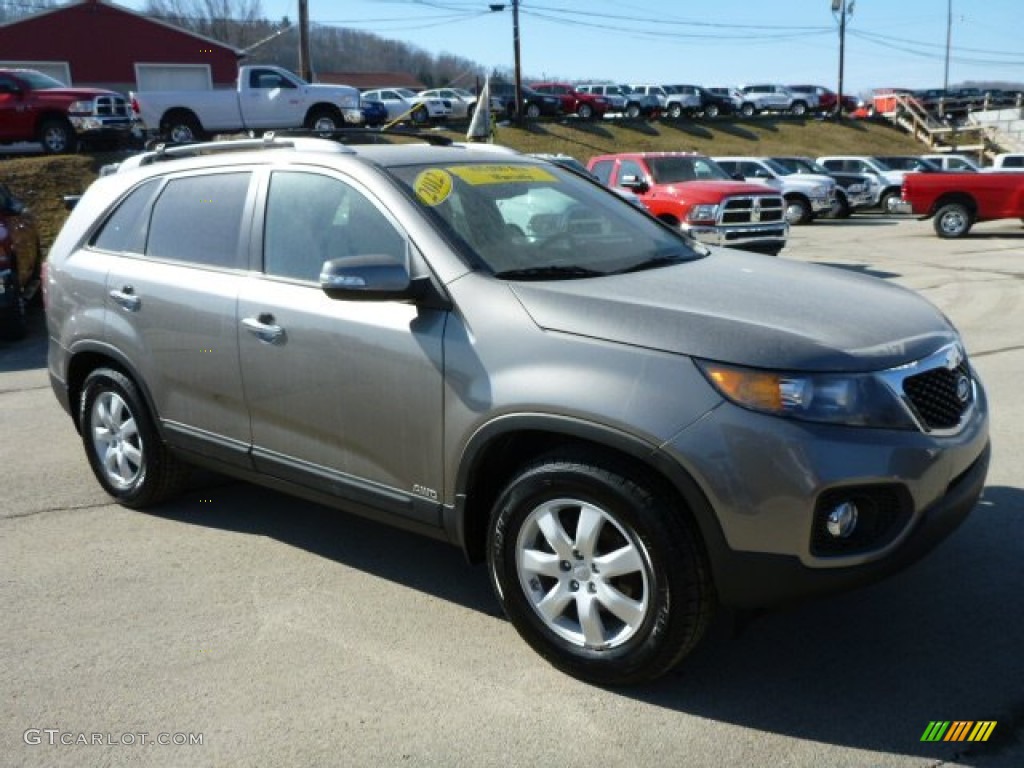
{"x": 748, "y": 309}
{"x": 707, "y": 191}
{"x": 75, "y": 94}
{"x": 809, "y": 180}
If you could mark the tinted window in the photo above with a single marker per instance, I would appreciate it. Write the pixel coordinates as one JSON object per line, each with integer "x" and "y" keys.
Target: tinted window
{"x": 603, "y": 170}
{"x": 313, "y": 218}
{"x": 126, "y": 229}
{"x": 198, "y": 219}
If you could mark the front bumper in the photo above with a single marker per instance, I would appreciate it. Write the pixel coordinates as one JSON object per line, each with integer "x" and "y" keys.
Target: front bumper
{"x": 88, "y": 126}
{"x": 758, "y": 236}
{"x": 823, "y": 204}
{"x": 767, "y": 481}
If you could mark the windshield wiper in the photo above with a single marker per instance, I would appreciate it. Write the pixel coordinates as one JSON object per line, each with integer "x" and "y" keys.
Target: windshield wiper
{"x": 553, "y": 272}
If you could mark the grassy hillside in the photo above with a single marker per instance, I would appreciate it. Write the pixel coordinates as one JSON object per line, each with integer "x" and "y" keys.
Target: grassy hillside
{"x": 41, "y": 181}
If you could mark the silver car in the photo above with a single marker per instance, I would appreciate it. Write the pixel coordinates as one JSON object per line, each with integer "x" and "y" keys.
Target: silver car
{"x": 630, "y": 429}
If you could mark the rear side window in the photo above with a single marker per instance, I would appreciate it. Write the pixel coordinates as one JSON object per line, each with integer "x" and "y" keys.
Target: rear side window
{"x": 125, "y": 230}
{"x": 198, "y": 219}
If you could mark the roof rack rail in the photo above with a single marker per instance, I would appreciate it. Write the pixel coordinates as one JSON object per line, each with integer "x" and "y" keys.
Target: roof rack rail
{"x": 165, "y": 151}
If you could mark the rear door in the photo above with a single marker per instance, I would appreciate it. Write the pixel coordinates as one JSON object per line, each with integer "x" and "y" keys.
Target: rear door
{"x": 171, "y": 303}
{"x": 345, "y": 397}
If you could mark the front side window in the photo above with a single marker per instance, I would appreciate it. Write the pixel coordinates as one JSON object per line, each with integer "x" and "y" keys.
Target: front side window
{"x": 312, "y": 218}
{"x": 536, "y": 222}
{"x": 198, "y": 219}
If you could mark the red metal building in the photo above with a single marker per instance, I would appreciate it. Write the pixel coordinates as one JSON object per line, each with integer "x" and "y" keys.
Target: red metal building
{"x": 96, "y": 43}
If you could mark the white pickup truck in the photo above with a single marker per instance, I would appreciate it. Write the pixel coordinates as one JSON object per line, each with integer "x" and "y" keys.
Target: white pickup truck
{"x": 265, "y": 98}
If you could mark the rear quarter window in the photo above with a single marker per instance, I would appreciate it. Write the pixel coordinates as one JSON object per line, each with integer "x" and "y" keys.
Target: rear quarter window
{"x": 125, "y": 230}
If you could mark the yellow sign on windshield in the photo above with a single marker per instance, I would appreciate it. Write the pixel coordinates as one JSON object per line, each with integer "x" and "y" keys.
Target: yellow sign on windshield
{"x": 433, "y": 186}
{"x": 501, "y": 174}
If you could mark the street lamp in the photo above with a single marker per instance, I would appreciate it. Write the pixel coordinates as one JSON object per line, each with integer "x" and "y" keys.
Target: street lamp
{"x": 517, "y": 115}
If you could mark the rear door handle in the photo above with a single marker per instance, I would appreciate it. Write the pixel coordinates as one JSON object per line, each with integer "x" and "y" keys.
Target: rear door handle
{"x": 264, "y": 328}
{"x": 126, "y": 298}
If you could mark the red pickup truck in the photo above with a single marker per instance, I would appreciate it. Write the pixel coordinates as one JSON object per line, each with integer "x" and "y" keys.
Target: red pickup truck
{"x": 691, "y": 192}
{"x": 958, "y": 200}
{"x": 34, "y": 107}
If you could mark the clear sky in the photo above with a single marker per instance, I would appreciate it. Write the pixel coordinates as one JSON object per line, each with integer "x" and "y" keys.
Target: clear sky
{"x": 889, "y": 42}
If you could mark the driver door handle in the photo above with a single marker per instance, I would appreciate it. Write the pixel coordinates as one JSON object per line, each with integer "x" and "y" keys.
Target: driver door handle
{"x": 264, "y": 328}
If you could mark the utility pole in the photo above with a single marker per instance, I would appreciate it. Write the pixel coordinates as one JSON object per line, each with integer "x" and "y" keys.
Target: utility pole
{"x": 305, "y": 69}
{"x": 949, "y": 40}
{"x": 518, "y": 62}
{"x": 841, "y": 7}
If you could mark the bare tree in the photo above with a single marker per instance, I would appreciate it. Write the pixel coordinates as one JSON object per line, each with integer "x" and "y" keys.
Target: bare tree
{"x": 238, "y": 23}
{"x": 11, "y": 10}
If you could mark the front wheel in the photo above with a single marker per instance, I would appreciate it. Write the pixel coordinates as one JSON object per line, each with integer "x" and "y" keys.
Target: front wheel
{"x": 585, "y": 112}
{"x": 798, "y": 211}
{"x": 747, "y": 110}
{"x": 57, "y": 136}
{"x": 125, "y": 452}
{"x": 953, "y": 220}
{"x": 532, "y": 111}
{"x": 598, "y": 571}
{"x": 632, "y": 111}
{"x": 675, "y": 111}
{"x": 711, "y": 110}
{"x": 799, "y": 108}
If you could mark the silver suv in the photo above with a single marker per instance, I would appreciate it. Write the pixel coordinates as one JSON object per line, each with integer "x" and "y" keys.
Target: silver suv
{"x": 629, "y": 428}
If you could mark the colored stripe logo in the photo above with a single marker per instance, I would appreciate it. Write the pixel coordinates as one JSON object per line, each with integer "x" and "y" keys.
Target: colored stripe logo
{"x": 958, "y": 730}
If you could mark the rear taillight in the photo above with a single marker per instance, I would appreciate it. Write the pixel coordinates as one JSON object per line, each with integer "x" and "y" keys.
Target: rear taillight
{"x": 135, "y": 107}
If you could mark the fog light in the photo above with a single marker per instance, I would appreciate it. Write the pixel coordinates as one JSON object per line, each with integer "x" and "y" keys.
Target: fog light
{"x": 842, "y": 520}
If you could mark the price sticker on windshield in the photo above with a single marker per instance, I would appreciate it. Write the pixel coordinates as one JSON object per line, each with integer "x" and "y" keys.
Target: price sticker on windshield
{"x": 433, "y": 186}
{"x": 502, "y": 174}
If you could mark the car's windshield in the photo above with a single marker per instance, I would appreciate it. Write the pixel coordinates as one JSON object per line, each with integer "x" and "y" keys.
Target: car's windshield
{"x": 538, "y": 221}
{"x": 39, "y": 81}
{"x": 671, "y": 170}
{"x": 777, "y": 167}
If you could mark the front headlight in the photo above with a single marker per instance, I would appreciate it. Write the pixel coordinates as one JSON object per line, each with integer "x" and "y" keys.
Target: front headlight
{"x": 80, "y": 108}
{"x": 860, "y": 400}
{"x": 820, "y": 190}
{"x": 706, "y": 213}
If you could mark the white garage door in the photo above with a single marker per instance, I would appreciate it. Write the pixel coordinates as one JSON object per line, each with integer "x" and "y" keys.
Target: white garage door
{"x": 56, "y": 69}
{"x": 173, "y": 77}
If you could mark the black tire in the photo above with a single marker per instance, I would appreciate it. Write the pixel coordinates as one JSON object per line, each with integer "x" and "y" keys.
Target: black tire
{"x": 798, "y": 211}
{"x": 888, "y": 200}
{"x": 841, "y": 210}
{"x": 14, "y": 322}
{"x": 799, "y": 108}
{"x": 632, "y": 111}
{"x": 57, "y": 136}
{"x": 324, "y": 121}
{"x": 585, "y": 112}
{"x": 420, "y": 115}
{"x": 660, "y": 586}
{"x": 675, "y": 111}
{"x": 120, "y": 439}
{"x": 182, "y": 128}
{"x": 711, "y": 110}
{"x": 953, "y": 220}
{"x": 747, "y": 109}
{"x": 532, "y": 111}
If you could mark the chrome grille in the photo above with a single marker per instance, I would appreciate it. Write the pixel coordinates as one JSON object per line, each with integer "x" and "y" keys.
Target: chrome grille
{"x": 754, "y": 209}
{"x": 111, "y": 106}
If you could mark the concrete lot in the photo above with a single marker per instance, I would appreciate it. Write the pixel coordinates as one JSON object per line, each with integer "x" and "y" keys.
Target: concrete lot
{"x": 287, "y": 634}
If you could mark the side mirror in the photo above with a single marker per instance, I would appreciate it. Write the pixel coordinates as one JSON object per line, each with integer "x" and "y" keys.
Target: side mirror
{"x": 377, "y": 277}
{"x": 738, "y": 176}
{"x": 634, "y": 183}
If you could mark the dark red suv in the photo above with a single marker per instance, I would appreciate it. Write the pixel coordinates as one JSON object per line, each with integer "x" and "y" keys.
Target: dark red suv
{"x": 586, "y": 105}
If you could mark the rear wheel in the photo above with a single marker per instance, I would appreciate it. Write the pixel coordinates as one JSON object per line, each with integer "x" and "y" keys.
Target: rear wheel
{"x": 598, "y": 571}
{"x": 747, "y": 109}
{"x": 675, "y": 111}
{"x": 711, "y": 110}
{"x": 532, "y": 111}
{"x": 585, "y": 111}
{"x": 125, "y": 452}
{"x": 953, "y": 220}
{"x": 799, "y": 108}
{"x": 420, "y": 115}
{"x": 632, "y": 111}
{"x": 57, "y": 136}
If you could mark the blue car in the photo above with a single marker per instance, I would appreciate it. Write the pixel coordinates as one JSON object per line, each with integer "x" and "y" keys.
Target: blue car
{"x": 374, "y": 113}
